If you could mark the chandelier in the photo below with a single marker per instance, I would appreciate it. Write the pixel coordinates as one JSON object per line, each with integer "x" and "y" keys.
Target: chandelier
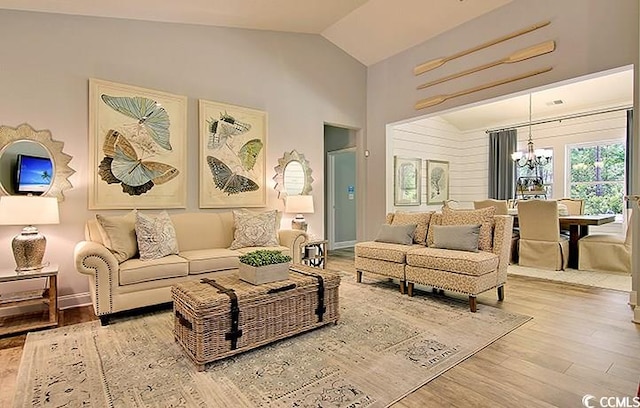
{"x": 532, "y": 158}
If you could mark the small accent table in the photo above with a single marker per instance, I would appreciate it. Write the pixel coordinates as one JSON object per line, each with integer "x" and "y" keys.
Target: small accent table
{"x": 47, "y": 296}
{"x": 315, "y": 253}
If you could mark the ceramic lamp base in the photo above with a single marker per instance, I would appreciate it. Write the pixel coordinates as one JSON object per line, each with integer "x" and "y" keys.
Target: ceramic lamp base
{"x": 299, "y": 224}
{"x": 28, "y": 249}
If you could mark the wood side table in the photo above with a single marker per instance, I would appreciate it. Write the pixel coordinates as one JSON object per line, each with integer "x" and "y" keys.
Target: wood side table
{"x": 47, "y": 296}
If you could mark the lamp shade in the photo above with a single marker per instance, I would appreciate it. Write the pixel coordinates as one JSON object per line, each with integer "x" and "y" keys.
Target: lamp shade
{"x": 299, "y": 204}
{"x": 28, "y": 210}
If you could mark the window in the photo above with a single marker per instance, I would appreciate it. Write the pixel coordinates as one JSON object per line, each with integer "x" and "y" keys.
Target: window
{"x": 544, "y": 172}
{"x": 596, "y": 175}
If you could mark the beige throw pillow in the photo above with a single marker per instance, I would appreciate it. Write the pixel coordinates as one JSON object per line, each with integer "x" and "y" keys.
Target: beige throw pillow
{"x": 156, "y": 236}
{"x": 483, "y": 216}
{"x": 396, "y": 234}
{"x": 119, "y": 234}
{"x": 254, "y": 229}
{"x": 419, "y": 219}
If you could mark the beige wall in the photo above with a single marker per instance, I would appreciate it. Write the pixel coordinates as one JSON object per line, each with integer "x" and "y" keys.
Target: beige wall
{"x": 302, "y": 81}
{"x": 591, "y": 36}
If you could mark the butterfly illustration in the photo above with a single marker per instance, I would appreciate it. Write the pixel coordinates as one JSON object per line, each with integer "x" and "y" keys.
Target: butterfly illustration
{"x": 151, "y": 116}
{"x": 122, "y": 165}
{"x": 225, "y": 127}
{"x": 249, "y": 152}
{"x": 228, "y": 181}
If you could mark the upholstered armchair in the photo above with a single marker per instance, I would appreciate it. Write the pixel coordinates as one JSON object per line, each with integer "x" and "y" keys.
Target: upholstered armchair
{"x": 541, "y": 244}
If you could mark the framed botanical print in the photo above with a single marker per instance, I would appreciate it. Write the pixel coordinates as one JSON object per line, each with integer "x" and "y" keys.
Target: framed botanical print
{"x": 407, "y": 180}
{"x": 232, "y": 156}
{"x": 137, "y": 147}
{"x": 437, "y": 181}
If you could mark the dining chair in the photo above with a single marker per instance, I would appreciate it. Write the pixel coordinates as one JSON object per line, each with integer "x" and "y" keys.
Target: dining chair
{"x": 500, "y": 205}
{"x": 575, "y": 206}
{"x": 606, "y": 252}
{"x": 502, "y": 209}
{"x": 541, "y": 244}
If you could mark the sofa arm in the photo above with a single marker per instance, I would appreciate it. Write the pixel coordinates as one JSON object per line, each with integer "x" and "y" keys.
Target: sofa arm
{"x": 95, "y": 260}
{"x": 294, "y": 240}
{"x": 502, "y": 234}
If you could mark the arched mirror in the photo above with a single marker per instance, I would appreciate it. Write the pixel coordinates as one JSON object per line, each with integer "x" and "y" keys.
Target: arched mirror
{"x": 293, "y": 175}
{"x": 31, "y": 162}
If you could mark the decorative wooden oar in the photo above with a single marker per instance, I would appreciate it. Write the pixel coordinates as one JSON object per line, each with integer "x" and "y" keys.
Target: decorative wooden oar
{"x": 536, "y": 50}
{"x": 434, "y": 100}
{"x": 428, "y": 66}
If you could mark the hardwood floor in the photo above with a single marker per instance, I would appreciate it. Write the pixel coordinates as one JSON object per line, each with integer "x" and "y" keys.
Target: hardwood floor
{"x": 581, "y": 341}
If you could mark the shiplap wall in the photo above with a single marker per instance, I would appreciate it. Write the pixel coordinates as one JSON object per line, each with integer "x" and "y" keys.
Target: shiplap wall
{"x": 467, "y": 153}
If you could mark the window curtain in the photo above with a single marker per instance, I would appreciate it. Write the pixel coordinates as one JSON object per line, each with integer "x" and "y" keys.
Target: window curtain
{"x": 629, "y": 156}
{"x": 501, "y": 167}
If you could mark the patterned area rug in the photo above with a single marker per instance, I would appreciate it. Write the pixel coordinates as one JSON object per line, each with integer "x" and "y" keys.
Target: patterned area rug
{"x": 384, "y": 346}
{"x": 615, "y": 281}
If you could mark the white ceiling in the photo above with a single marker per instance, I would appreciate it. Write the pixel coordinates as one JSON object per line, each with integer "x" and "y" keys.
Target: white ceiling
{"x": 597, "y": 92}
{"x": 369, "y": 30}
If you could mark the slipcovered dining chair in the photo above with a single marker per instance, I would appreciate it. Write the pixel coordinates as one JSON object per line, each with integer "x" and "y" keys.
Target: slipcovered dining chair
{"x": 575, "y": 206}
{"x": 500, "y": 205}
{"x": 541, "y": 244}
{"x": 502, "y": 209}
{"x": 606, "y": 252}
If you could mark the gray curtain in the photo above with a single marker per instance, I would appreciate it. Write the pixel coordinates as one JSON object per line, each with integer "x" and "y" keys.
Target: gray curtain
{"x": 501, "y": 167}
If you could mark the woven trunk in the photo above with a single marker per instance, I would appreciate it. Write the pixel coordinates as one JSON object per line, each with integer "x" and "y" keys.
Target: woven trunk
{"x": 204, "y": 323}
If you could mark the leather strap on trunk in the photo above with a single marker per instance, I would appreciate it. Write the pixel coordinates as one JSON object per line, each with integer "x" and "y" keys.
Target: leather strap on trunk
{"x": 235, "y": 332}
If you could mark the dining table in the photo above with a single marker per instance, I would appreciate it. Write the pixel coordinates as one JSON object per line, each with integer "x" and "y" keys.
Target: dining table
{"x": 578, "y": 226}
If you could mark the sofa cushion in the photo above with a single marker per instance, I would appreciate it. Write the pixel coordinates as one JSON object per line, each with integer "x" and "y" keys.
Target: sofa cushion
{"x": 156, "y": 236}
{"x": 458, "y": 237}
{"x": 469, "y": 263}
{"x": 482, "y": 216}
{"x": 118, "y": 234}
{"x": 396, "y": 234}
{"x": 384, "y": 251}
{"x": 135, "y": 271}
{"x": 420, "y": 219}
{"x": 209, "y": 260}
{"x": 254, "y": 229}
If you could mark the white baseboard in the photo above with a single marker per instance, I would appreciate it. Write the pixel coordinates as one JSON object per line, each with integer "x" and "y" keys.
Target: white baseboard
{"x": 343, "y": 244}
{"x": 633, "y": 298}
{"x": 64, "y": 302}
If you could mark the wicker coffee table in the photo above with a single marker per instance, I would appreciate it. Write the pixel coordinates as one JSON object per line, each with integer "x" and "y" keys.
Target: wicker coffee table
{"x": 217, "y": 318}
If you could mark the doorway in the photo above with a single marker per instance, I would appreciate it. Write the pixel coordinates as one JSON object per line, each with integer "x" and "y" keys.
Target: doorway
{"x": 340, "y": 187}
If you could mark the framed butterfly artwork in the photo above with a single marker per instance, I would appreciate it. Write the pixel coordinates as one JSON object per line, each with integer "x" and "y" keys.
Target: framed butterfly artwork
{"x": 137, "y": 147}
{"x": 232, "y": 156}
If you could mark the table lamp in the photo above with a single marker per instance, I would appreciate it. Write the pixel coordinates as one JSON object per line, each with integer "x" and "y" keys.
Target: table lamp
{"x": 28, "y": 247}
{"x": 299, "y": 204}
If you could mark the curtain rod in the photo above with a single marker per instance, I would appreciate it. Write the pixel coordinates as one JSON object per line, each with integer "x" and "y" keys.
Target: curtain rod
{"x": 559, "y": 118}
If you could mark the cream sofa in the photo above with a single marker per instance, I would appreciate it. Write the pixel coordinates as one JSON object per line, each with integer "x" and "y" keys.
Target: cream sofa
{"x": 203, "y": 242}
{"x": 470, "y": 273}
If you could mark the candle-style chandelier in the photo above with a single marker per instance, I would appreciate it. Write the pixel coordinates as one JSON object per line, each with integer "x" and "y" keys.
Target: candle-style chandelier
{"x": 532, "y": 158}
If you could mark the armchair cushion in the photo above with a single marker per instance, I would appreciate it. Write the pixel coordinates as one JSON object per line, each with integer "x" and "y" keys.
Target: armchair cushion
{"x": 483, "y": 216}
{"x": 118, "y": 234}
{"x": 464, "y": 262}
{"x": 459, "y": 237}
{"x": 419, "y": 219}
{"x": 396, "y": 234}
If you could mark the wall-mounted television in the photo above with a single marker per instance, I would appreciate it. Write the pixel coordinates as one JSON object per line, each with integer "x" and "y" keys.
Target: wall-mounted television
{"x": 33, "y": 174}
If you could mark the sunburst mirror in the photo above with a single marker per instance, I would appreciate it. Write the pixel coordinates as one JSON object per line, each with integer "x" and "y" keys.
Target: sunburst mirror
{"x": 293, "y": 175}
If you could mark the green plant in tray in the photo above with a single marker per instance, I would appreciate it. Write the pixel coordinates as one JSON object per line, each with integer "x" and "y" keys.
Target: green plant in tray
{"x": 264, "y": 257}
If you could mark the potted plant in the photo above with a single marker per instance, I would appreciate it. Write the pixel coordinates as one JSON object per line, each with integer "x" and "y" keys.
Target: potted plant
{"x": 264, "y": 266}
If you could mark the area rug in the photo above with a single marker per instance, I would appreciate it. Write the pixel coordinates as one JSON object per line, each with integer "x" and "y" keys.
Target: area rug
{"x": 604, "y": 280}
{"x": 385, "y": 346}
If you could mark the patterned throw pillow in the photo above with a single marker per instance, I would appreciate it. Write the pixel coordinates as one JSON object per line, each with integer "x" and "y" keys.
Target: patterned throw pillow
{"x": 254, "y": 229}
{"x": 420, "y": 219}
{"x": 119, "y": 234}
{"x": 482, "y": 216}
{"x": 156, "y": 236}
